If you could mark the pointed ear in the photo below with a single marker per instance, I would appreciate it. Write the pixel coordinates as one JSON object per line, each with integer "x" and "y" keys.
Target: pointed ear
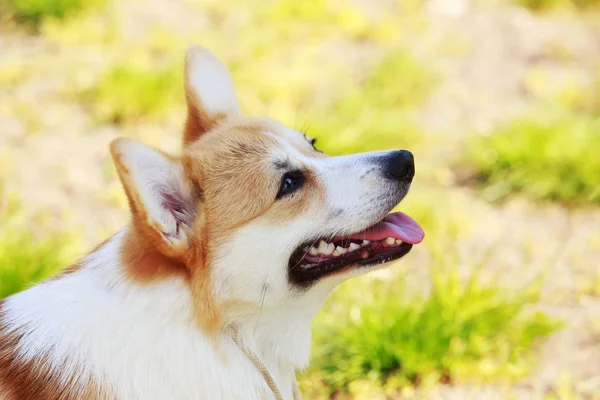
{"x": 162, "y": 200}
{"x": 209, "y": 92}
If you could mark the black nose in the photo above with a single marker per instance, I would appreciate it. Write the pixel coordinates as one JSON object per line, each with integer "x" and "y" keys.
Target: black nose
{"x": 400, "y": 165}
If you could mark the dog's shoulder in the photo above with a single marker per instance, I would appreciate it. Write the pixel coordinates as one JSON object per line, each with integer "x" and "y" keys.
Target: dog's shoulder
{"x": 25, "y": 376}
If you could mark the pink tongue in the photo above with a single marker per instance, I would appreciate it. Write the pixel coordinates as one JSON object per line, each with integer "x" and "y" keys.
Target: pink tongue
{"x": 397, "y": 225}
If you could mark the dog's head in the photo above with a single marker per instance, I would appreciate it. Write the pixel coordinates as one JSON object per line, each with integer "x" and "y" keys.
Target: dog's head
{"x": 252, "y": 211}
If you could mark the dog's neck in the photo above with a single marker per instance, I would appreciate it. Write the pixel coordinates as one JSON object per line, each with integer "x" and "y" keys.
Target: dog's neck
{"x": 278, "y": 335}
{"x": 122, "y": 327}
{"x": 284, "y": 330}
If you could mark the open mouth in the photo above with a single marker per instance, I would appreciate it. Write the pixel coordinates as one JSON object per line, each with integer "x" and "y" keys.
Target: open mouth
{"x": 387, "y": 240}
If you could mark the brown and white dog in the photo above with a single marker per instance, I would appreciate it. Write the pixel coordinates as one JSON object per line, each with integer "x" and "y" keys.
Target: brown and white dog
{"x": 250, "y": 228}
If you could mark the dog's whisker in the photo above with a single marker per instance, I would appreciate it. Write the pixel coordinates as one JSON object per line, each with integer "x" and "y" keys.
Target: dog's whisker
{"x": 304, "y": 255}
{"x": 263, "y": 295}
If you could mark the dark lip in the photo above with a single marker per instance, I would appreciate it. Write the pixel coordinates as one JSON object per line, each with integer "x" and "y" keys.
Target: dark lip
{"x": 306, "y": 276}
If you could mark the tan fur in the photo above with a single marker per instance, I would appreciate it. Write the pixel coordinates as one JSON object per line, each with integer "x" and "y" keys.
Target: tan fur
{"x": 234, "y": 171}
{"x": 145, "y": 226}
{"x": 66, "y": 271}
{"x": 144, "y": 263}
{"x": 198, "y": 120}
{"x": 232, "y": 168}
{"x": 31, "y": 379}
{"x": 147, "y": 256}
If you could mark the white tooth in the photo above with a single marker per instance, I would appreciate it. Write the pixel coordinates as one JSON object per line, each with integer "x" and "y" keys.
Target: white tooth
{"x": 326, "y": 248}
{"x": 339, "y": 251}
{"x": 390, "y": 240}
{"x": 313, "y": 251}
{"x": 398, "y": 241}
{"x": 354, "y": 246}
{"x": 366, "y": 242}
{"x": 323, "y": 247}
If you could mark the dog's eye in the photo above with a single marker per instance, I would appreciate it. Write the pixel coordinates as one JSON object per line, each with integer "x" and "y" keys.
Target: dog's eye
{"x": 290, "y": 182}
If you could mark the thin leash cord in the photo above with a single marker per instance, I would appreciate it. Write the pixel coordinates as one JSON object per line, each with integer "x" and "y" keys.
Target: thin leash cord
{"x": 260, "y": 366}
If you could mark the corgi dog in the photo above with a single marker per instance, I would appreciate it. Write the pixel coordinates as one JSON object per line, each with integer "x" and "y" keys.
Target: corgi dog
{"x": 232, "y": 248}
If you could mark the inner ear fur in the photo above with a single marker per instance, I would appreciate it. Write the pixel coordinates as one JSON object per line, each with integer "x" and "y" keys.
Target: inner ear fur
{"x": 162, "y": 199}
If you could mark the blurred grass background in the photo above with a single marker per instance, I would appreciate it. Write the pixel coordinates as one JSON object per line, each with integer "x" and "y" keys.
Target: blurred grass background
{"x": 498, "y": 100}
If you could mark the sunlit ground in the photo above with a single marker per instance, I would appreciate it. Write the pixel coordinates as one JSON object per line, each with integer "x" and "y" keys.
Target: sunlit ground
{"x": 498, "y": 100}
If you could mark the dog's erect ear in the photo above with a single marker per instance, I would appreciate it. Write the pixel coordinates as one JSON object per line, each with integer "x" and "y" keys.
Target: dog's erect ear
{"x": 161, "y": 198}
{"x": 209, "y": 92}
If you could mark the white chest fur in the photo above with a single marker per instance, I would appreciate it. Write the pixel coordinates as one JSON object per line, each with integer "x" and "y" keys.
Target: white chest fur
{"x": 141, "y": 341}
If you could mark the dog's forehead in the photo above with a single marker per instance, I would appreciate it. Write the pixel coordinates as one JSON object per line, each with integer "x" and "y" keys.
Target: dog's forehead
{"x": 293, "y": 140}
{"x": 247, "y": 141}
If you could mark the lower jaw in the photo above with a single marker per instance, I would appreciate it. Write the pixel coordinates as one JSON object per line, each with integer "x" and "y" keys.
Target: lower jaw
{"x": 307, "y": 274}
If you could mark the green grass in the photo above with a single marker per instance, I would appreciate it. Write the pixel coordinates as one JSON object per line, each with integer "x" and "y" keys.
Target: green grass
{"x": 469, "y": 330}
{"x": 34, "y": 12}
{"x": 26, "y": 258}
{"x": 551, "y": 158}
{"x": 547, "y": 5}
{"x": 129, "y": 92}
